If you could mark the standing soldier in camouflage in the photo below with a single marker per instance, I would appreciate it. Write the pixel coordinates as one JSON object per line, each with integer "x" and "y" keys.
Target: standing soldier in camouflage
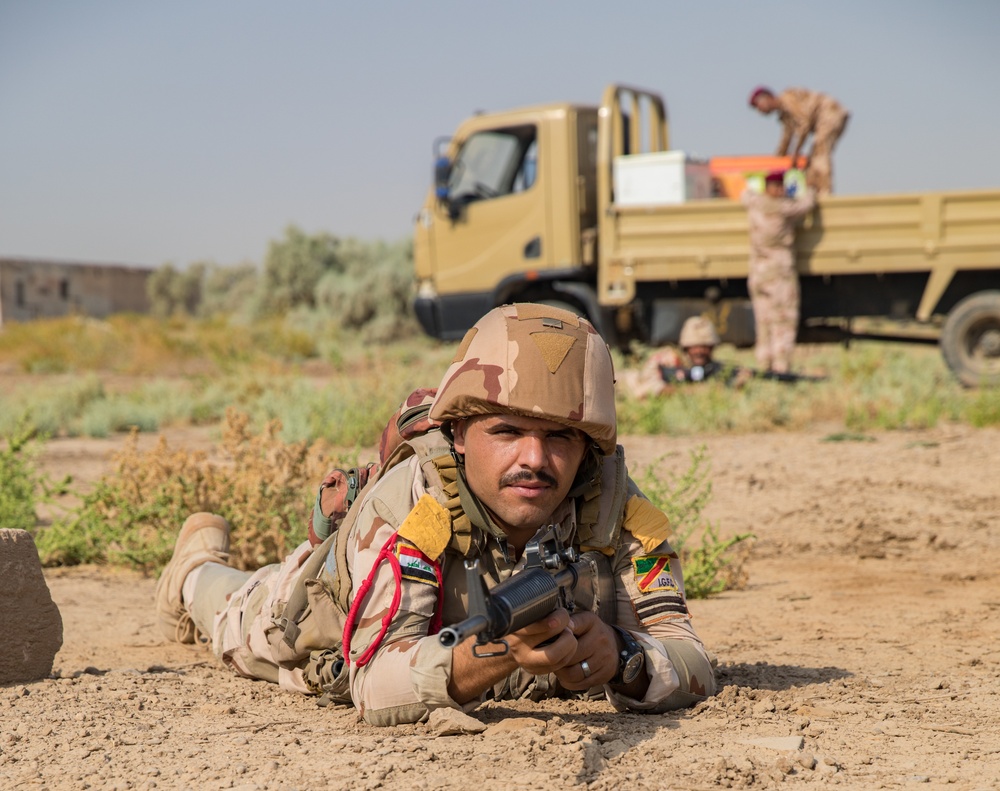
{"x": 801, "y": 113}
{"x": 520, "y": 436}
{"x": 772, "y": 280}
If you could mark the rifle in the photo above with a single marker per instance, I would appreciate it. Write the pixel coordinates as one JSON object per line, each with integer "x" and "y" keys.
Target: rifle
{"x": 728, "y": 373}
{"x": 553, "y": 576}
{"x": 786, "y": 376}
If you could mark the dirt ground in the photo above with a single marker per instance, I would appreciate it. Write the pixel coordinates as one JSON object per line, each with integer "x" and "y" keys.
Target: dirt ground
{"x": 864, "y": 653}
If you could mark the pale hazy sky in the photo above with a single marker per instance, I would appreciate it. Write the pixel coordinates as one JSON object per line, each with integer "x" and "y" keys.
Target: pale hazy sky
{"x": 141, "y": 132}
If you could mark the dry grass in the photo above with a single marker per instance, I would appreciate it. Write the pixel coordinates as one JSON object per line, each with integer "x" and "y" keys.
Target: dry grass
{"x": 264, "y": 487}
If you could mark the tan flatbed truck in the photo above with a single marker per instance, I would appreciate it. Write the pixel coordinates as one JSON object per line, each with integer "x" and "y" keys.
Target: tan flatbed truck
{"x": 524, "y": 209}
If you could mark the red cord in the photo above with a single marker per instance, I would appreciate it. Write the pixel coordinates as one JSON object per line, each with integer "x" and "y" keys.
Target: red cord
{"x": 386, "y": 553}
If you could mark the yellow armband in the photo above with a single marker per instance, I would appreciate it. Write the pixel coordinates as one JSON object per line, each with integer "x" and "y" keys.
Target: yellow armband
{"x": 427, "y": 527}
{"x": 646, "y": 522}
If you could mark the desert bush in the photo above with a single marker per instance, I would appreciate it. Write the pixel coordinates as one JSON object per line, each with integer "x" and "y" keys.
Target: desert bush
{"x": 360, "y": 287}
{"x": 22, "y": 485}
{"x": 371, "y": 293}
{"x": 49, "y": 406}
{"x": 228, "y": 289}
{"x": 262, "y": 486}
{"x": 202, "y": 289}
{"x": 19, "y": 474}
{"x": 292, "y": 268}
{"x": 711, "y": 564}
{"x": 172, "y": 291}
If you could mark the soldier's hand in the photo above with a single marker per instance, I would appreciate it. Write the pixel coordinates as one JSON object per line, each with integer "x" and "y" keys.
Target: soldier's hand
{"x": 595, "y": 661}
{"x": 544, "y": 646}
{"x": 540, "y": 648}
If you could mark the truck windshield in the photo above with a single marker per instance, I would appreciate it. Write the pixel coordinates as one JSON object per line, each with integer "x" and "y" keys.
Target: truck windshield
{"x": 495, "y": 163}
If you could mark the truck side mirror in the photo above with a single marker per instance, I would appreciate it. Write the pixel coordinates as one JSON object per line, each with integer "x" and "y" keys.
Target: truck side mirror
{"x": 442, "y": 175}
{"x": 442, "y": 170}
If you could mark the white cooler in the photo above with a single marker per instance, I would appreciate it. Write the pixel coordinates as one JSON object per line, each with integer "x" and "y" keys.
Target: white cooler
{"x": 659, "y": 178}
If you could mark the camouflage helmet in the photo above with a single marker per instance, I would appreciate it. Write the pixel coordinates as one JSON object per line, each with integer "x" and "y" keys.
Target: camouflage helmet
{"x": 698, "y": 331}
{"x": 533, "y": 360}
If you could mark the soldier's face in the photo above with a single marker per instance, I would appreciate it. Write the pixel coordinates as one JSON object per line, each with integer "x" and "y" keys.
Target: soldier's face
{"x": 765, "y": 104}
{"x": 520, "y": 468}
{"x": 699, "y": 355}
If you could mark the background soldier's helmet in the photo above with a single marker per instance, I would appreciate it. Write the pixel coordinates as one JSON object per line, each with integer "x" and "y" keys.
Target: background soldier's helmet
{"x": 533, "y": 360}
{"x": 698, "y": 331}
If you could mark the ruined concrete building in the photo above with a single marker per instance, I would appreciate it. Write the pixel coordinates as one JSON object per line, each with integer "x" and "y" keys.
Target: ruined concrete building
{"x": 35, "y": 289}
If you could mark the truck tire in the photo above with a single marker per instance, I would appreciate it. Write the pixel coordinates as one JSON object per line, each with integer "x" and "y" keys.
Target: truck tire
{"x": 970, "y": 340}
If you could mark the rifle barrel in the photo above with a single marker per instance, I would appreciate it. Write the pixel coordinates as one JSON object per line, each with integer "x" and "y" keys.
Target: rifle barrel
{"x": 451, "y": 636}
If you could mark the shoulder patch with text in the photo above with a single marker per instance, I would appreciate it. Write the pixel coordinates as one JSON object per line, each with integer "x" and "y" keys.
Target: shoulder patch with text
{"x": 661, "y": 598}
{"x": 415, "y": 565}
{"x": 652, "y": 573}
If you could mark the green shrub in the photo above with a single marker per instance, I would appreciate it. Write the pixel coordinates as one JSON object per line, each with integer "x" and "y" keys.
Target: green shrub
{"x": 22, "y": 486}
{"x": 19, "y": 492}
{"x": 372, "y": 292}
{"x": 172, "y": 291}
{"x": 228, "y": 290}
{"x": 984, "y": 409}
{"x": 711, "y": 564}
{"x": 292, "y": 268}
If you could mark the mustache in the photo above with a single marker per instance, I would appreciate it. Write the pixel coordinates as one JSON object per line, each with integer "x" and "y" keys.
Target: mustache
{"x": 527, "y": 476}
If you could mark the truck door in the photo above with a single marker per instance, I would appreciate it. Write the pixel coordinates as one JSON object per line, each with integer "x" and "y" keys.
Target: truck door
{"x": 497, "y": 223}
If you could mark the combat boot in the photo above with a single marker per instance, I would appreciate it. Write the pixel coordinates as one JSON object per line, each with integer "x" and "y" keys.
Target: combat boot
{"x": 204, "y": 538}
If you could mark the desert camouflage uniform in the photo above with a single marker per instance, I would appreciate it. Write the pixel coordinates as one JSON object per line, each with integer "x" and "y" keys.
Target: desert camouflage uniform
{"x": 803, "y": 112}
{"x": 403, "y": 545}
{"x": 772, "y": 280}
{"x": 648, "y": 381}
{"x": 410, "y": 671}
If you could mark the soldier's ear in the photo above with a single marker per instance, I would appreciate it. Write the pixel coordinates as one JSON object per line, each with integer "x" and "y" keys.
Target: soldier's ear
{"x": 457, "y": 428}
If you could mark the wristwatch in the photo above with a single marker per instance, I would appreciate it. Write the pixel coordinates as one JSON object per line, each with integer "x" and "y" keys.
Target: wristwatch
{"x": 631, "y": 659}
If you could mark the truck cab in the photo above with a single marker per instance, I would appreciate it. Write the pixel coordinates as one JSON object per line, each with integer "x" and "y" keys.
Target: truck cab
{"x": 500, "y": 225}
{"x": 531, "y": 205}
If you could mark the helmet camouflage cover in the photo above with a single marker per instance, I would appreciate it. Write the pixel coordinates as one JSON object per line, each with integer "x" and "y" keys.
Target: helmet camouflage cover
{"x": 698, "y": 331}
{"x": 534, "y": 360}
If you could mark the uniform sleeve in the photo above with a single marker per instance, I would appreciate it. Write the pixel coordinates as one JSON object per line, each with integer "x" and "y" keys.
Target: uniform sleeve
{"x": 799, "y": 206}
{"x": 399, "y": 671}
{"x": 787, "y": 129}
{"x": 652, "y": 606}
{"x": 798, "y": 117}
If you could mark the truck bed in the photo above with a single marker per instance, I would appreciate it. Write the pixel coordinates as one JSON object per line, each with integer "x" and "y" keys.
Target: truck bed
{"x": 936, "y": 233}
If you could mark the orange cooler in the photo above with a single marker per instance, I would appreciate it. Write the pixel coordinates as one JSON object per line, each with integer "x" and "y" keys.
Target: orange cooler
{"x": 729, "y": 174}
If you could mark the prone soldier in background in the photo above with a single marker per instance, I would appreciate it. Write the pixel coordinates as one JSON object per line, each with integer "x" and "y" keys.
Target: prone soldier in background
{"x": 666, "y": 368}
{"x": 520, "y": 445}
{"x": 698, "y": 340}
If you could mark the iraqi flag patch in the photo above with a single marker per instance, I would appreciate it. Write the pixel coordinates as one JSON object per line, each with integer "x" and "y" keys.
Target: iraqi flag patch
{"x": 415, "y": 565}
{"x": 652, "y": 573}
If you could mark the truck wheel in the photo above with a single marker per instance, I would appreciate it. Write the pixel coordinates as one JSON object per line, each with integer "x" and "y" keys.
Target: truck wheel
{"x": 970, "y": 340}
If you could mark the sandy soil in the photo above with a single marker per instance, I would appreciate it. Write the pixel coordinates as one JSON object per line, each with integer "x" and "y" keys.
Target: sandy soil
{"x": 864, "y": 653}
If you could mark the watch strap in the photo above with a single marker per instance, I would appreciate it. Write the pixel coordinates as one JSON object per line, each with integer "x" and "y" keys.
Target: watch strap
{"x": 631, "y": 648}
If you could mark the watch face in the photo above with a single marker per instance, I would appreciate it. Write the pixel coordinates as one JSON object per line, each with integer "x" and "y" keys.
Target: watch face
{"x": 633, "y": 666}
